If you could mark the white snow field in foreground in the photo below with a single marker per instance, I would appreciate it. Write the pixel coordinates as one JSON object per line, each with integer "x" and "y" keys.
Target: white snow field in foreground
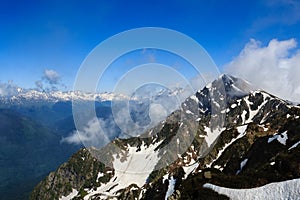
{"x": 280, "y": 190}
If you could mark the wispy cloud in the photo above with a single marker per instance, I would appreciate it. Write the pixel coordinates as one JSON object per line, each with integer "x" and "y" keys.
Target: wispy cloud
{"x": 97, "y": 133}
{"x": 274, "y": 68}
{"x": 287, "y": 11}
{"x": 51, "y": 76}
{"x": 277, "y": 12}
{"x": 50, "y": 81}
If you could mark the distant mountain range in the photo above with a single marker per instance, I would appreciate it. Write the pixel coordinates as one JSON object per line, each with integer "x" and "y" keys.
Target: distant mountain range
{"x": 33, "y": 125}
{"x": 224, "y": 139}
{"x": 31, "y": 97}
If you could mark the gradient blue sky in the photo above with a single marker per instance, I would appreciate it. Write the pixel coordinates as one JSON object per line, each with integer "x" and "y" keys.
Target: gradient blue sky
{"x": 58, "y": 35}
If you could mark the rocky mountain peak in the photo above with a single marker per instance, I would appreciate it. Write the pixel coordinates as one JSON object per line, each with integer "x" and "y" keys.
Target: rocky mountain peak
{"x": 230, "y": 86}
{"x": 226, "y": 135}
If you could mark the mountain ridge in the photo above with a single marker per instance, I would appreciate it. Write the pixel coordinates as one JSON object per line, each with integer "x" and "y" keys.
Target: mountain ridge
{"x": 215, "y": 154}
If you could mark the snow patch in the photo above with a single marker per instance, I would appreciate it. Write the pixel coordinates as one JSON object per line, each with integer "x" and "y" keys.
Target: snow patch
{"x": 253, "y": 113}
{"x": 171, "y": 187}
{"x": 281, "y": 190}
{"x": 100, "y": 174}
{"x": 208, "y": 86}
{"x": 212, "y": 135}
{"x": 70, "y": 196}
{"x": 193, "y": 97}
{"x": 264, "y": 118}
{"x": 242, "y": 129}
{"x": 294, "y": 145}
{"x": 223, "y": 111}
{"x": 216, "y": 103}
{"x": 165, "y": 177}
{"x": 243, "y": 115}
{"x": 280, "y": 138}
{"x": 189, "y": 169}
{"x": 218, "y": 167}
{"x": 243, "y": 163}
{"x": 188, "y": 112}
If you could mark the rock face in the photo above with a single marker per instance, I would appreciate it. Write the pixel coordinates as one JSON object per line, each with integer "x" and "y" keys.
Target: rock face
{"x": 223, "y": 135}
{"x": 80, "y": 163}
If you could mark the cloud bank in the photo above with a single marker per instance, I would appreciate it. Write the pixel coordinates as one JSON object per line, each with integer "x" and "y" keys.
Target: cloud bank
{"x": 274, "y": 68}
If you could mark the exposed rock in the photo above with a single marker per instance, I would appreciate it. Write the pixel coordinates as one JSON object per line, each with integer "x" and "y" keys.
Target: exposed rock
{"x": 207, "y": 175}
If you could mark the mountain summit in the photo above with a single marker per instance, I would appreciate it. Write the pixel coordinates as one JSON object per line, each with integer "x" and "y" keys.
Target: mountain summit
{"x": 225, "y": 136}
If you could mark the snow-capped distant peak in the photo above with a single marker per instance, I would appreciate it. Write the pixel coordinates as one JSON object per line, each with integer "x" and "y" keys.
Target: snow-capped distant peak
{"x": 25, "y": 96}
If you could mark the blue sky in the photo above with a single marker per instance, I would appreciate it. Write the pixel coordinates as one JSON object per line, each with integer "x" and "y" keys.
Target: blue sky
{"x": 57, "y": 35}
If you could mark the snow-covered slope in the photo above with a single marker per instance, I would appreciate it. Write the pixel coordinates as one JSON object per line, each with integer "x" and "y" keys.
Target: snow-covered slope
{"x": 280, "y": 190}
{"x": 134, "y": 167}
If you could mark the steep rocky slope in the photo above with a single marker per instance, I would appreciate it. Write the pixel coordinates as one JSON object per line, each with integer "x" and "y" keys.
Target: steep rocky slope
{"x": 224, "y": 135}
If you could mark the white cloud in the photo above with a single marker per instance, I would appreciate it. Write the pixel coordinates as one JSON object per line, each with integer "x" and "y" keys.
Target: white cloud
{"x": 96, "y": 133}
{"x": 51, "y": 76}
{"x": 50, "y": 81}
{"x": 274, "y": 68}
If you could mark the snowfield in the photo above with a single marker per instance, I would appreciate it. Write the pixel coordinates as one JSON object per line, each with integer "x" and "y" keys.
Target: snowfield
{"x": 134, "y": 170}
{"x": 281, "y": 190}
